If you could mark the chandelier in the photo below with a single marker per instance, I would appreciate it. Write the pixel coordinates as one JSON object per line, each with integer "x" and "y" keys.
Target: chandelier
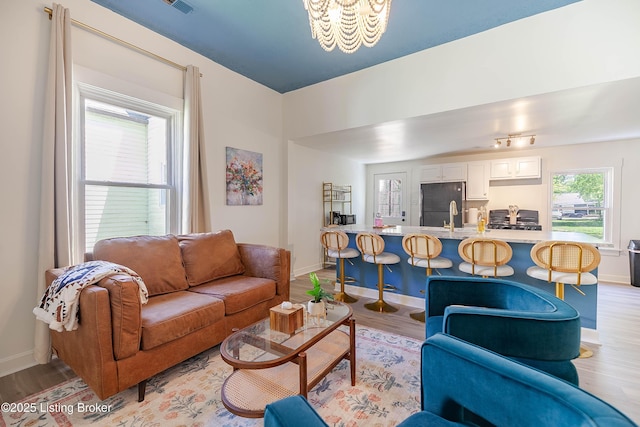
{"x": 515, "y": 139}
{"x": 347, "y": 23}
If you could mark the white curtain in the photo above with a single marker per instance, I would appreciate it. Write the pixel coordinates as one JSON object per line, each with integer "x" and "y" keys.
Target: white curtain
{"x": 55, "y": 198}
{"x": 195, "y": 211}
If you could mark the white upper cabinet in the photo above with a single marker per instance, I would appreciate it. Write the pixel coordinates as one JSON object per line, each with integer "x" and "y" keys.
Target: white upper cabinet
{"x": 515, "y": 168}
{"x": 444, "y": 173}
{"x": 478, "y": 181}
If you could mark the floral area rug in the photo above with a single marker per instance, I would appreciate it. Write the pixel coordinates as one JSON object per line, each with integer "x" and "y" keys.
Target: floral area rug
{"x": 387, "y": 391}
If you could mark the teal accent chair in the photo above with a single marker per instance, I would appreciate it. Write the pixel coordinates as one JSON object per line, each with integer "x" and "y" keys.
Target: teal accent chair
{"x": 466, "y": 385}
{"x": 513, "y": 319}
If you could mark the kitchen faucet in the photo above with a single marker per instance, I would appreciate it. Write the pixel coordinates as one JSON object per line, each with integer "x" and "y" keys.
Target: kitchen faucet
{"x": 453, "y": 211}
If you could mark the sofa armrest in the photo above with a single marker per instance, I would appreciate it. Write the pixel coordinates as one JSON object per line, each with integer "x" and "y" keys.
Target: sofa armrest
{"x": 461, "y": 379}
{"x": 292, "y": 411}
{"x": 125, "y": 309}
{"x": 89, "y": 349}
{"x": 126, "y": 317}
{"x": 532, "y": 335}
{"x": 268, "y": 262}
{"x": 443, "y": 291}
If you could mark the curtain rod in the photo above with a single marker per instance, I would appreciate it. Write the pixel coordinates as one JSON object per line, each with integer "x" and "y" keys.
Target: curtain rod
{"x": 49, "y": 11}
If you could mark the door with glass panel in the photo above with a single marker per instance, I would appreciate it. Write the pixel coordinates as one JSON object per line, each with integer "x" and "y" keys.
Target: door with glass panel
{"x": 390, "y": 196}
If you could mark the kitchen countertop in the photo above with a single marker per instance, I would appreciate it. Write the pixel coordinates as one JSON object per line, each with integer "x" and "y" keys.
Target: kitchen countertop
{"x": 512, "y": 236}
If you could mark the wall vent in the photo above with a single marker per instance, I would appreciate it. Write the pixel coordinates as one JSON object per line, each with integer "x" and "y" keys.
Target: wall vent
{"x": 181, "y": 5}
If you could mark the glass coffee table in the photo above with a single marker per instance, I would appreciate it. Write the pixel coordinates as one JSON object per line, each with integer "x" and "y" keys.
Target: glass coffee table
{"x": 269, "y": 365}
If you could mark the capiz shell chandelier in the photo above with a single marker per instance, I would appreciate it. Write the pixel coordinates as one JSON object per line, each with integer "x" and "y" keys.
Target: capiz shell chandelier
{"x": 347, "y": 23}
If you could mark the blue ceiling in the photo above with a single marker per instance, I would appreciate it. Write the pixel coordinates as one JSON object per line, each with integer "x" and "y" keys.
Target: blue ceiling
{"x": 269, "y": 41}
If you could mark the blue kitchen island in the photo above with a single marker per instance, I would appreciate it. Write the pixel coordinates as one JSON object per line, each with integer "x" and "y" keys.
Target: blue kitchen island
{"x": 409, "y": 280}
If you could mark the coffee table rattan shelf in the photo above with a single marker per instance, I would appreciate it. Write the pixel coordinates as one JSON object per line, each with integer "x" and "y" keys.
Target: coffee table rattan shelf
{"x": 270, "y": 365}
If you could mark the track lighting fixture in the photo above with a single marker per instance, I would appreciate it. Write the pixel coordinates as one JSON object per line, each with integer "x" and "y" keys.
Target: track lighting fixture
{"x": 517, "y": 139}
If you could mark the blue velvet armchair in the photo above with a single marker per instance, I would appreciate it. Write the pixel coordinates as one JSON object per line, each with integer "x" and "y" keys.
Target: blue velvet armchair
{"x": 464, "y": 384}
{"x": 513, "y": 319}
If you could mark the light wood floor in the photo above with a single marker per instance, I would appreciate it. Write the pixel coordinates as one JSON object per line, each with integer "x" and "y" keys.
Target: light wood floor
{"x": 613, "y": 373}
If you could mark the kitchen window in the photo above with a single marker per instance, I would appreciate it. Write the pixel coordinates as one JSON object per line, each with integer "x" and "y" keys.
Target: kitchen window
{"x": 582, "y": 202}
{"x": 129, "y": 168}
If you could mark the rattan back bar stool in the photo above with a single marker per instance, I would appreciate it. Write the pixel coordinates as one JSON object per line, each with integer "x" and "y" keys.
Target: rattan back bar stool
{"x": 371, "y": 247}
{"x": 563, "y": 263}
{"x": 424, "y": 251}
{"x": 335, "y": 243}
{"x": 485, "y": 257}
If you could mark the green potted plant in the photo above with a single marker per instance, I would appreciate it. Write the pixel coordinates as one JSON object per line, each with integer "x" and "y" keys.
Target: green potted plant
{"x": 316, "y": 305}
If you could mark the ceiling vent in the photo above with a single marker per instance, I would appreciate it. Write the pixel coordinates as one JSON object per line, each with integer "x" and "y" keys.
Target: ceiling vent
{"x": 180, "y": 5}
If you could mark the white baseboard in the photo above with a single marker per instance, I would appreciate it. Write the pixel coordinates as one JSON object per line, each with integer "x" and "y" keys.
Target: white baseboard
{"x": 16, "y": 362}
{"x": 592, "y": 336}
{"x": 306, "y": 270}
{"x": 614, "y": 278}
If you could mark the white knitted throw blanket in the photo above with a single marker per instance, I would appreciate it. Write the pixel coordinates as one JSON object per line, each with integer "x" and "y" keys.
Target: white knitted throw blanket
{"x": 59, "y": 304}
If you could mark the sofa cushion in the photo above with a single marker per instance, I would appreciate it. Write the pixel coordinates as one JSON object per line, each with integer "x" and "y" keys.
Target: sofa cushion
{"x": 156, "y": 259}
{"x": 210, "y": 256}
{"x": 239, "y": 292}
{"x": 171, "y": 316}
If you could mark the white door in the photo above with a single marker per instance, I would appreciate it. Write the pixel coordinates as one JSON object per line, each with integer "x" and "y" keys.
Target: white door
{"x": 390, "y": 198}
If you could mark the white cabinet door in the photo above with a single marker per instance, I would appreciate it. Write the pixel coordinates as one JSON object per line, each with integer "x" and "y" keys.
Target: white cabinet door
{"x": 431, "y": 173}
{"x": 516, "y": 168}
{"x": 448, "y": 172}
{"x": 477, "y": 181}
{"x": 527, "y": 167}
{"x": 454, "y": 172}
{"x": 501, "y": 169}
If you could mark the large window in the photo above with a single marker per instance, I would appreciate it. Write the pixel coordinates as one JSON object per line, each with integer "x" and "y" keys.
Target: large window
{"x": 581, "y": 202}
{"x": 129, "y": 168}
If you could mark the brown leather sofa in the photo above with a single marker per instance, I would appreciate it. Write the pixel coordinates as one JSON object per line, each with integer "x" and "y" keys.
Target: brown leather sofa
{"x": 200, "y": 286}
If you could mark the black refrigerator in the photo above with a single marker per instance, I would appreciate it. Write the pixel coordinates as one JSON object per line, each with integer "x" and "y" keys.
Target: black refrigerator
{"x": 436, "y": 198}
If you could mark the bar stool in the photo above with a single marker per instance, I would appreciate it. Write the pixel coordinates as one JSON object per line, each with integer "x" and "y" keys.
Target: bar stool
{"x": 485, "y": 257}
{"x": 335, "y": 243}
{"x": 565, "y": 263}
{"x": 372, "y": 248}
{"x": 424, "y": 251}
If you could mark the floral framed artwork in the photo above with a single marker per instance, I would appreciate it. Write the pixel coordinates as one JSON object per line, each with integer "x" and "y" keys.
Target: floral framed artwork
{"x": 244, "y": 177}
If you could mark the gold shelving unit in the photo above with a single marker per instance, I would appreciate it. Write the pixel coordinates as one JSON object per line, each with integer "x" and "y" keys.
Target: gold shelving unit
{"x": 336, "y": 200}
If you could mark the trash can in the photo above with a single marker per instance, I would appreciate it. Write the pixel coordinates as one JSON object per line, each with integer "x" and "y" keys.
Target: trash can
{"x": 634, "y": 261}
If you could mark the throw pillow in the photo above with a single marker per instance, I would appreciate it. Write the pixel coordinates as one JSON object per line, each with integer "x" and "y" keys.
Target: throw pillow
{"x": 210, "y": 256}
{"x": 156, "y": 259}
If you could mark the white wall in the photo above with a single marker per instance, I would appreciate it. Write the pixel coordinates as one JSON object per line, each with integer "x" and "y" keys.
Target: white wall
{"x": 309, "y": 169}
{"x": 237, "y": 112}
{"x": 588, "y": 42}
